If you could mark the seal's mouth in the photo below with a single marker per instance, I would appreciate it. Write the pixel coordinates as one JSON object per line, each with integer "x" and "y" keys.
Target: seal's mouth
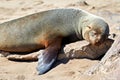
{"x": 99, "y": 40}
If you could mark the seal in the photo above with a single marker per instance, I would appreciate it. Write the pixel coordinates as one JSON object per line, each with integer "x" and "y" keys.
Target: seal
{"x": 49, "y": 29}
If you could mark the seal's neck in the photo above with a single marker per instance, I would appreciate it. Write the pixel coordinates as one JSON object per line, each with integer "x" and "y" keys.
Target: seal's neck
{"x": 81, "y": 25}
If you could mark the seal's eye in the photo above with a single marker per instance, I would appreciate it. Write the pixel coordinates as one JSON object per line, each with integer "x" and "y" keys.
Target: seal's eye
{"x": 93, "y": 33}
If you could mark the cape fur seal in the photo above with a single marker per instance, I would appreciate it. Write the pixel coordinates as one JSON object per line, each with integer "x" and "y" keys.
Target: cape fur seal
{"x": 48, "y": 29}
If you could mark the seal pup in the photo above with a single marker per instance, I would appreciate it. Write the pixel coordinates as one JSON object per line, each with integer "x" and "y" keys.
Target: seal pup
{"x": 48, "y": 29}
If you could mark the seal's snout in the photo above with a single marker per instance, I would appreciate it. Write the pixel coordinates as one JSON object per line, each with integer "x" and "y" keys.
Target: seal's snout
{"x": 99, "y": 40}
{"x": 97, "y": 43}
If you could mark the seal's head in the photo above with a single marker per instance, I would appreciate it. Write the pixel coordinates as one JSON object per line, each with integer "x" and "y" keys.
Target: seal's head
{"x": 96, "y": 31}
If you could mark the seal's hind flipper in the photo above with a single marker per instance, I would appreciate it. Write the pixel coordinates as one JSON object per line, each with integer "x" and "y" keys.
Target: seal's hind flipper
{"x": 4, "y": 54}
{"x": 28, "y": 57}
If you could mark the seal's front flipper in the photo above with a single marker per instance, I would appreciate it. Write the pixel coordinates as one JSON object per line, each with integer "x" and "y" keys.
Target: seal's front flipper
{"x": 48, "y": 57}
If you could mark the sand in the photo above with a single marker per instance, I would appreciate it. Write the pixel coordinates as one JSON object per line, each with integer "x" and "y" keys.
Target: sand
{"x": 72, "y": 69}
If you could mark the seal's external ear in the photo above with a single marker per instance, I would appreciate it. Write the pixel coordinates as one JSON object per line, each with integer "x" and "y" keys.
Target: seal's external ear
{"x": 89, "y": 27}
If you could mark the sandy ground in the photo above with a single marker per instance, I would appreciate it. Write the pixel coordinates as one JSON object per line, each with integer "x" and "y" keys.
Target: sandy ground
{"x": 71, "y": 70}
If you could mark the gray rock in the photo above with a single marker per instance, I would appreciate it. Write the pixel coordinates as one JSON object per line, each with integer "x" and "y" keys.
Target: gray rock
{"x": 110, "y": 63}
{"x": 82, "y": 49}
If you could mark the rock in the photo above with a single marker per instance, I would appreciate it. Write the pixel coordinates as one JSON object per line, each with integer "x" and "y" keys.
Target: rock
{"x": 113, "y": 75}
{"x": 110, "y": 63}
{"x": 79, "y": 3}
{"x": 117, "y": 28}
{"x": 82, "y": 49}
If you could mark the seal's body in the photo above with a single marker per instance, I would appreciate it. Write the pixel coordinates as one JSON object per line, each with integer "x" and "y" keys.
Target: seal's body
{"x": 47, "y": 29}
{"x": 34, "y": 31}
